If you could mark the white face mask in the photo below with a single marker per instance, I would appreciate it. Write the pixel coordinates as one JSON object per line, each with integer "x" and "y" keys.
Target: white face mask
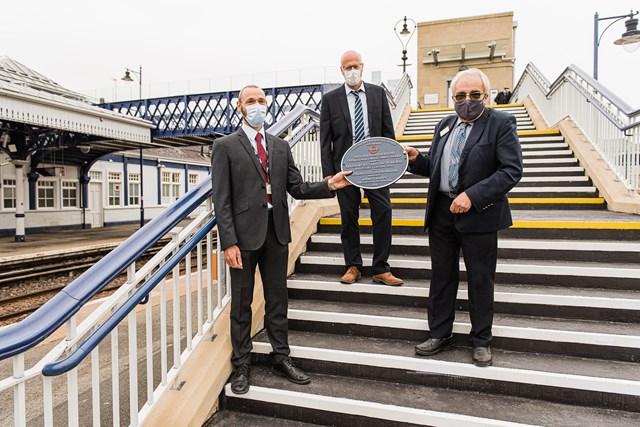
{"x": 352, "y": 77}
{"x": 256, "y": 114}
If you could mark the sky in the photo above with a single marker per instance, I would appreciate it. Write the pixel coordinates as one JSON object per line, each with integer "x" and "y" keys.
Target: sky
{"x": 193, "y": 45}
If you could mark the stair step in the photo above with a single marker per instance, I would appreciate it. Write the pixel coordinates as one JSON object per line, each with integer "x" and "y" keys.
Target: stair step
{"x": 582, "y": 303}
{"x": 603, "y": 382}
{"x": 226, "y": 418}
{"x": 553, "y": 273}
{"x": 580, "y": 338}
{"x": 334, "y": 400}
{"x": 568, "y": 250}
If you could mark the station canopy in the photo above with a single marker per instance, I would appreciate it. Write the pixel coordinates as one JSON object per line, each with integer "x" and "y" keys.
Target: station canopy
{"x": 41, "y": 120}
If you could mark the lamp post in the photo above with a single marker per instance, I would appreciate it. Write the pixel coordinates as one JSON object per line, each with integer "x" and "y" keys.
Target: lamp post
{"x": 127, "y": 78}
{"x": 404, "y": 35}
{"x": 630, "y": 39}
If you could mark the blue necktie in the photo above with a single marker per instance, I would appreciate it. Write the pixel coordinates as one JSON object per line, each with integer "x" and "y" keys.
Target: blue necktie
{"x": 358, "y": 132}
{"x": 456, "y": 151}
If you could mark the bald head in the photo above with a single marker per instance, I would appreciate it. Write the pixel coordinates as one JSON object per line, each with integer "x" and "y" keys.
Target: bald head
{"x": 350, "y": 56}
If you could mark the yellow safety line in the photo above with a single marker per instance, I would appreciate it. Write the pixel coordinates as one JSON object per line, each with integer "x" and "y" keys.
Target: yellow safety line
{"x": 520, "y": 133}
{"x": 514, "y": 200}
{"x": 430, "y": 110}
{"x": 582, "y": 225}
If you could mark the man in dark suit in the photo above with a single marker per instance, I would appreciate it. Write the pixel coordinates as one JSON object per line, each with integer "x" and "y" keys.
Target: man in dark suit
{"x": 252, "y": 172}
{"x": 503, "y": 97}
{"x": 348, "y": 115}
{"x": 475, "y": 159}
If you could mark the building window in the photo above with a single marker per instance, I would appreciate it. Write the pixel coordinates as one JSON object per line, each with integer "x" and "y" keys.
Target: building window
{"x": 69, "y": 194}
{"x": 95, "y": 175}
{"x": 134, "y": 189}
{"x": 170, "y": 187}
{"x": 193, "y": 180}
{"x": 46, "y": 194}
{"x": 115, "y": 188}
{"x": 9, "y": 193}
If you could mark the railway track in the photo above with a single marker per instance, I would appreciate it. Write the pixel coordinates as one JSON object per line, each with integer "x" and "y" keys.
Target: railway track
{"x": 55, "y": 267}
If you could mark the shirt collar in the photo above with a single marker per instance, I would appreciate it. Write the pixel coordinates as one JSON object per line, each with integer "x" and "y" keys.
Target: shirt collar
{"x": 348, "y": 90}
{"x": 251, "y": 132}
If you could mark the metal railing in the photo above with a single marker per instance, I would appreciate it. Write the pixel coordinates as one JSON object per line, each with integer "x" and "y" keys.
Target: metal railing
{"x": 609, "y": 123}
{"x": 183, "y": 302}
{"x": 109, "y": 379}
{"x": 399, "y": 97}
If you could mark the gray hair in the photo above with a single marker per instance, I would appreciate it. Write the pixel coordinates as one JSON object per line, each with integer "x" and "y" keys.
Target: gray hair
{"x": 471, "y": 72}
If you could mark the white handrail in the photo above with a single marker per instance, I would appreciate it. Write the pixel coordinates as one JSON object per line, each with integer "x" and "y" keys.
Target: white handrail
{"x": 178, "y": 317}
{"x": 610, "y": 124}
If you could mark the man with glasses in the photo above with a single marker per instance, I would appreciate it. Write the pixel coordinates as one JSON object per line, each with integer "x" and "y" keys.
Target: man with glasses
{"x": 252, "y": 172}
{"x": 348, "y": 115}
{"x": 475, "y": 159}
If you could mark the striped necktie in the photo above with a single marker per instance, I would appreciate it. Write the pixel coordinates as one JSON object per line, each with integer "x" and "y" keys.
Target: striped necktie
{"x": 456, "y": 151}
{"x": 358, "y": 132}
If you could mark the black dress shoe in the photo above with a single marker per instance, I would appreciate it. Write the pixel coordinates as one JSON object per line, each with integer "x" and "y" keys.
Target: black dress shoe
{"x": 240, "y": 379}
{"x": 435, "y": 345}
{"x": 482, "y": 356}
{"x": 287, "y": 369}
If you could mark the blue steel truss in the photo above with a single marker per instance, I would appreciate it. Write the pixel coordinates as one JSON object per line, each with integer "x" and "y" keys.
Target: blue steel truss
{"x": 212, "y": 113}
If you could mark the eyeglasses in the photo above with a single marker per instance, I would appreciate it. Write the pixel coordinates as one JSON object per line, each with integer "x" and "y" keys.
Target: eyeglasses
{"x": 474, "y": 94}
{"x": 352, "y": 67}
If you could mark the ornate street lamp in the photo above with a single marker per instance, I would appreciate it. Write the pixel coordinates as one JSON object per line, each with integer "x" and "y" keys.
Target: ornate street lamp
{"x": 404, "y": 35}
{"x": 630, "y": 39}
{"x": 127, "y": 78}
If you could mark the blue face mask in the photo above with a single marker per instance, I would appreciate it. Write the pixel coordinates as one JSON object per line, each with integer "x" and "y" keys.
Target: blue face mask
{"x": 256, "y": 114}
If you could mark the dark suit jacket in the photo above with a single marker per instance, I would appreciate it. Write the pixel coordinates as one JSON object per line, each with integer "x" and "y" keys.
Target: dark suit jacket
{"x": 336, "y": 135}
{"x": 239, "y": 190}
{"x": 503, "y": 98}
{"x": 490, "y": 166}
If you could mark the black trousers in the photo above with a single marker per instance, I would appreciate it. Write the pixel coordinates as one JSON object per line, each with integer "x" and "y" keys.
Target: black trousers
{"x": 272, "y": 259}
{"x": 349, "y": 199}
{"x": 480, "y": 252}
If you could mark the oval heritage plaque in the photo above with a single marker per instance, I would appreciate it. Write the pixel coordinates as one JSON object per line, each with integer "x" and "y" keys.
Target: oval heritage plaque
{"x": 376, "y": 162}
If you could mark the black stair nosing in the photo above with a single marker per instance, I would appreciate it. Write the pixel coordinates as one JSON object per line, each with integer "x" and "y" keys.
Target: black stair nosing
{"x": 527, "y": 382}
{"x": 431, "y": 404}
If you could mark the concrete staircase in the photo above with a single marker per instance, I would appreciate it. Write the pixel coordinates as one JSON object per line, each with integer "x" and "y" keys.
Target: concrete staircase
{"x": 566, "y": 330}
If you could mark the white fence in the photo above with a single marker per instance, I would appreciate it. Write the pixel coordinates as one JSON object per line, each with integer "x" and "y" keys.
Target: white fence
{"x": 611, "y": 125}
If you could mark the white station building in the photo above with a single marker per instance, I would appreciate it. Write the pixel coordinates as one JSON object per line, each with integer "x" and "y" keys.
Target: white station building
{"x": 65, "y": 163}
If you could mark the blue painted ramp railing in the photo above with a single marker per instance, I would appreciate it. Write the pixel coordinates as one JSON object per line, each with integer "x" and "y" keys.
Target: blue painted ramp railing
{"x": 212, "y": 113}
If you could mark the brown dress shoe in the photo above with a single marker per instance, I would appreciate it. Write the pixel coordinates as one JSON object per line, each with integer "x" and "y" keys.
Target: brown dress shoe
{"x": 387, "y": 279}
{"x": 351, "y": 276}
{"x": 482, "y": 356}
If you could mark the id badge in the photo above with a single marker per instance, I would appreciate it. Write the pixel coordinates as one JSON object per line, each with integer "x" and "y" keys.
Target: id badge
{"x": 269, "y": 189}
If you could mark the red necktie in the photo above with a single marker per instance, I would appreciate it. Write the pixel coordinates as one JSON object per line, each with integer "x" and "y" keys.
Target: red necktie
{"x": 262, "y": 155}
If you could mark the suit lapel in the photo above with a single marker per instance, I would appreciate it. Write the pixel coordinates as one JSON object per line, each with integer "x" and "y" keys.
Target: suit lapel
{"x": 474, "y": 136}
{"x": 269, "y": 151}
{"x": 370, "y": 107}
{"x": 244, "y": 141}
{"x": 344, "y": 106}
